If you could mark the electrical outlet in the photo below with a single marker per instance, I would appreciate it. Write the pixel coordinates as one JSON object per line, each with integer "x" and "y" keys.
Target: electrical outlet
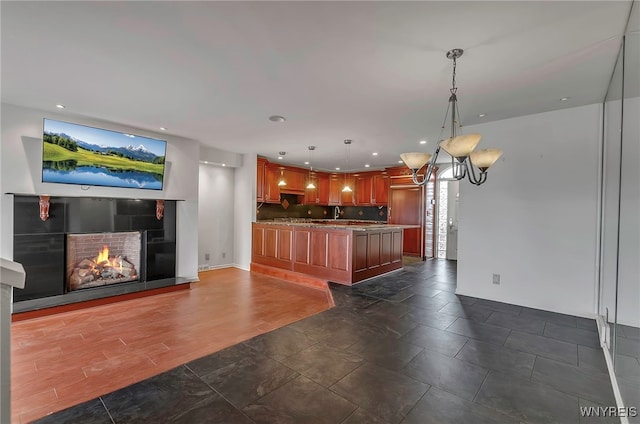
{"x": 224, "y": 255}
{"x": 496, "y": 278}
{"x": 207, "y": 256}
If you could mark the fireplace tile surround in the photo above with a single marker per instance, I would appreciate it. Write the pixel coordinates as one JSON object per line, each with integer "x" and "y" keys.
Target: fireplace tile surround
{"x": 41, "y": 246}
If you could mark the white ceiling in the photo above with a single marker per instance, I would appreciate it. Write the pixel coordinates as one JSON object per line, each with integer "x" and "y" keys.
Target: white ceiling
{"x": 374, "y": 72}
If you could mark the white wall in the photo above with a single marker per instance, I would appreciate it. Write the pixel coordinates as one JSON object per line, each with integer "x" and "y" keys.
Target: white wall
{"x": 245, "y": 210}
{"x": 534, "y": 221}
{"x": 629, "y": 250}
{"x": 20, "y": 172}
{"x": 215, "y": 216}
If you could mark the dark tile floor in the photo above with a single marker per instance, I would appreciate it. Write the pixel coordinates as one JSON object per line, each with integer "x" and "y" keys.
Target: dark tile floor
{"x": 397, "y": 349}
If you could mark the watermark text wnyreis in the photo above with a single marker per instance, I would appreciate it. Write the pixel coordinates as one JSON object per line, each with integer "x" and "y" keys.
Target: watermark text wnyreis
{"x": 608, "y": 411}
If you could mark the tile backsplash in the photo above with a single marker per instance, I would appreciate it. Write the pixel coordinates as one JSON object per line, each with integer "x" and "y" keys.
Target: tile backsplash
{"x": 289, "y": 208}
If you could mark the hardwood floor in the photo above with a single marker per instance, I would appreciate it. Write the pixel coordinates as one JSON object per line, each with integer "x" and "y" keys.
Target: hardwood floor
{"x": 65, "y": 359}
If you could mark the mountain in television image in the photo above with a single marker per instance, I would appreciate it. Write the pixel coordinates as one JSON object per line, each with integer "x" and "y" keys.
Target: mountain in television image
{"x": 77, "y": 154}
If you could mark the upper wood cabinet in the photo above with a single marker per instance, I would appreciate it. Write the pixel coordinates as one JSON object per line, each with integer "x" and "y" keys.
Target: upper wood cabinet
{"x": 295, "y": 180}
{"x": 320, "y": 194}
{"x": 335, "y": 190}
{"x": 380, "y": 189}
{"x": 348, "y": 198}
{"x": 260, "y": 174}
{"x": 322, "y": 188}
{"x": 311, "y": 194}
{"x": 271, "y": 189}
{"x": 363, "y": 189}
{"x": 369, "y": 188}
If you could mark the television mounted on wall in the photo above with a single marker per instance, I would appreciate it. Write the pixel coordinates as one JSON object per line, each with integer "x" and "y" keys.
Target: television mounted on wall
{"x": 78, "y": 154}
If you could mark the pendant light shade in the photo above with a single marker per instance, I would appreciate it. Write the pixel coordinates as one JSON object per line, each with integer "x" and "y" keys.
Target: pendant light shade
{"x": 415, "y": 160}
{"x": 461, "y": 146}
{"x": 483, "y": 159}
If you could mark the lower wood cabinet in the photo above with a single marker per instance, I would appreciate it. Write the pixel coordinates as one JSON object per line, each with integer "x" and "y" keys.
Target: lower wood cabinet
{"x": 341, "y": 255}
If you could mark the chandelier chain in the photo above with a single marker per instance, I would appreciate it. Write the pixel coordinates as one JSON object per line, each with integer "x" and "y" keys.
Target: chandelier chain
{"x": 453, "y": 78}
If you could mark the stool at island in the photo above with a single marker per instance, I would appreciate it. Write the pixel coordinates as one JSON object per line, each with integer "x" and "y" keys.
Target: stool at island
{"x": 11, "y": 275}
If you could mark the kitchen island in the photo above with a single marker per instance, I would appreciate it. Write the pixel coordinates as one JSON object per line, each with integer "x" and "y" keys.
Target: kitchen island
{"x": 314, "y": 252}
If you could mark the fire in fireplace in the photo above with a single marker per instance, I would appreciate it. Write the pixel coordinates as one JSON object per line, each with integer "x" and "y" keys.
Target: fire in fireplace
{"x": 101, "y": 259}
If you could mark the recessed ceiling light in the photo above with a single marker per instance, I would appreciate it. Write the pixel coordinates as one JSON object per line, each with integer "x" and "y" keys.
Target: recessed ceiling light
{"x": 206, "y": 162}
{"x": 375, "y": 153}
{"x": 564, "y": 99}
{"x": 399, "y": 161}
{"x": 482, "y": 115}
{"x": 280, "y": 157}
{"x": 306, "y": 162}
{"x": 224, "y": 164}
{"x": 366, "y": 165}
{"x": 337, "y": 168}
{"x": 60, "y": 106}
{"x": 277, "y": 118}
{"x": 423, "y": 141}
{"x": 163, "y": 129}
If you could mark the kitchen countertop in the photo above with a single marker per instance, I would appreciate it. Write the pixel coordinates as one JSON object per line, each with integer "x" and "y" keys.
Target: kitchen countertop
{"x": 350, "y": 224}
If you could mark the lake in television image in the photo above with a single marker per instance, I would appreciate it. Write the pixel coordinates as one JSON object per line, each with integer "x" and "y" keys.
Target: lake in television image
{"x": 77, "y": 154}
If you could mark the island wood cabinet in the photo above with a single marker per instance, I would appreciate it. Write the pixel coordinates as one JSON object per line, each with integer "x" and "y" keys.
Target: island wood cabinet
{"x": 339, "y": 254}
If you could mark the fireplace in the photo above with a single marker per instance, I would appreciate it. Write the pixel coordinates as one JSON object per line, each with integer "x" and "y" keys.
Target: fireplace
{"x": 46, "y": 249}
{"x": 101, "y": 259}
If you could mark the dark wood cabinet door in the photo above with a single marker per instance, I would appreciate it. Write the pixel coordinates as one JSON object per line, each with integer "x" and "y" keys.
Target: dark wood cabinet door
{"x": 295, "y": 179}
{"x": 363, "y": 190}
{"x": 260, "y": 170}
{"x": 406, "y": 206}
{"x": 271, "y": 189}
{"x": 380, "y": 190}
{"x": 323, "y": 189}
{"x": 347, "y": 198}
{"x": 311, "y": 194}
{"x": 335, "y": 190}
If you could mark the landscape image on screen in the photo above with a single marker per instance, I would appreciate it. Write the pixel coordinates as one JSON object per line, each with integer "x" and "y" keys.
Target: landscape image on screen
{"x": 77, "y": 154}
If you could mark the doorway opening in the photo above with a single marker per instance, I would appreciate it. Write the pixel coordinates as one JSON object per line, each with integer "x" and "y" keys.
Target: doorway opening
{"x": 447, "y": 215}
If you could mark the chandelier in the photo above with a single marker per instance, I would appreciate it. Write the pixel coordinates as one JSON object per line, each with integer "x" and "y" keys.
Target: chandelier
{"x": 465, "y": 161}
